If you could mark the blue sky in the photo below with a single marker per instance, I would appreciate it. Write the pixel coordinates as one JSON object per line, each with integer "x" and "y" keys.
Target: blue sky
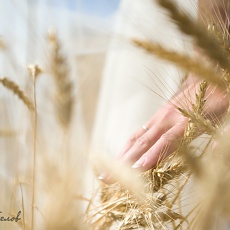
{"x": 99, "y": 7}
{"x": 92, "y": 7}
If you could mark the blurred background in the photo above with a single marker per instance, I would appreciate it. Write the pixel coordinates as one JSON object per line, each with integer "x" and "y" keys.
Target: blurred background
{"x": 81, "y": 33}
{"x": 23, "y": 20}
{"x": 84, "y": 28}
{"x": 113, "y": 87}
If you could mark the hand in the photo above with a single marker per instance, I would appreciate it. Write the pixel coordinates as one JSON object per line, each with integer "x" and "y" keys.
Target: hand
{"x": 163, "y": 132}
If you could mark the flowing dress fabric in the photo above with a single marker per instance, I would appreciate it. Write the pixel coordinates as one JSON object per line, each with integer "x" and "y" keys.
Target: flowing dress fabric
{"x": 135, "y": 85}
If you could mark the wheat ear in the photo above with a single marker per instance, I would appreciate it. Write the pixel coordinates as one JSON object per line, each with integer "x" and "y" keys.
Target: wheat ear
{"x": 2, "y": 44}
{"x": 203, "y": 39}
{"x": 64, "y": 87}
{"x": 183, "y": 61}
{"x": 13, "y": 87}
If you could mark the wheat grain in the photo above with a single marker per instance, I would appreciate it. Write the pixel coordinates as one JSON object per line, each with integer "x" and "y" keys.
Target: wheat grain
{"x": 34, "y": 70}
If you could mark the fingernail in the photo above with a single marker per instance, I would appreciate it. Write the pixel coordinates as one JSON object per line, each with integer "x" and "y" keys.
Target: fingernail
{"x": 103, "y": 176}
{"x": 106, "y": 178}
{"x": 139, "y": 163}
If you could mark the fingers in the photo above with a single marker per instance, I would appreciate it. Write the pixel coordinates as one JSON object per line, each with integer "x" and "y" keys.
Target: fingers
{"x": 167, "y": 143}
{"x": 144, "y": 143}
{"x": 106, "y": 178}
{"x": 132, "y": 140}
{"x": 137, "y": 145}
{"x": 166, "y": 114}
{"x": 156, "y": 144}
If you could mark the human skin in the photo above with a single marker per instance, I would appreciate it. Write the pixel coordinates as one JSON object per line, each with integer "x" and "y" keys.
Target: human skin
{"x": 146, "y": 147}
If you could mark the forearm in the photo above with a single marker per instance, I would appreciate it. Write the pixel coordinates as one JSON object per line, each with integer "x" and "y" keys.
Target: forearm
{"x": 209, "y": 11}
{"x": 217, "y": 10}
{"x": 212, "y": 11}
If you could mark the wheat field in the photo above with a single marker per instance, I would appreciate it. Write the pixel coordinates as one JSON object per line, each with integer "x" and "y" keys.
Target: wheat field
{"x": 48, "y": 106}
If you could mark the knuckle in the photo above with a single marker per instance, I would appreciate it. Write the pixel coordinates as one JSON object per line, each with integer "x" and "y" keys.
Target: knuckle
{"x": 132, "y": 139}
{"x": 142, "y": 141}
{"x": 168, "y": 137}
{"x": 182, "y": 121}
{"x": 165, "y": 122}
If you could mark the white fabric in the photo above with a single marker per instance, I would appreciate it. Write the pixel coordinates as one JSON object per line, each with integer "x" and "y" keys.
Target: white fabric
{"x": 125, "y": 103}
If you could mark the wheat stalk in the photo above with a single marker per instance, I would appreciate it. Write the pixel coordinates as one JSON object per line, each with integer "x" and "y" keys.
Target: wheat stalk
{"x": 34, "y": 71}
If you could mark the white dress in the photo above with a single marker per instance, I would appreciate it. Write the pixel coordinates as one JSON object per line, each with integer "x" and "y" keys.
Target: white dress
{"x": 135, "y": 84}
